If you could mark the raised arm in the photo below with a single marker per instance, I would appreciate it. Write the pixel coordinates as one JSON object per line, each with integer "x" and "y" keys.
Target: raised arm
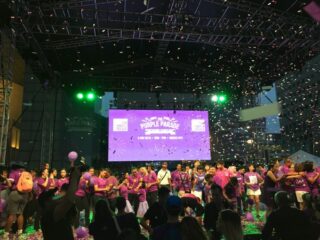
{"x": 62, "y": 209}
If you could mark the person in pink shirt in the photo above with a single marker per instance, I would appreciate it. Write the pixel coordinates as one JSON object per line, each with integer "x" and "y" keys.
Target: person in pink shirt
{"x": 135, "y": 183}
{"x": 151, "y": 181}
{"x": 285, "y": 168}
{"x": 100, "y": 186}
{"x": 112, "y": 183}
{"x": 63, "y": 179}
{"x": 312, "y": 178}
{"x": 241, "y": 198}
{"x": 222, "y": 175}
{"x": 53, "y": 182}
{"x": 175, "y": 179}
{"x": 143, "y": 204}
{"x": 300, "y": 182}
{"x": 253, "y": 181}
{"x": 124, "y": 192}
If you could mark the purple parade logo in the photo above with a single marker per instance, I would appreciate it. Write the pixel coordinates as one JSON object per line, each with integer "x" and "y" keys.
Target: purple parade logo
{"x": 147, "y": 135}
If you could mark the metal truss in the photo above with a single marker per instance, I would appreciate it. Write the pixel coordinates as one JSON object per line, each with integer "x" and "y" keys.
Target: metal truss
{"x": 7, "y": 50}
{"x": 259, "y": 9}
{"x": 86, "y": 23}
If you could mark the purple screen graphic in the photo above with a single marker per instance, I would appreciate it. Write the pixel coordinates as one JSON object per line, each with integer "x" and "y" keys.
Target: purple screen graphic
{"x": 150, "y": 135}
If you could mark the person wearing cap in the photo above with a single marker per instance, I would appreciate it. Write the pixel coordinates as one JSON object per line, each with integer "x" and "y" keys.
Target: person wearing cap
{"x": 287, "y": 222}
{"x": 170, "y": 230}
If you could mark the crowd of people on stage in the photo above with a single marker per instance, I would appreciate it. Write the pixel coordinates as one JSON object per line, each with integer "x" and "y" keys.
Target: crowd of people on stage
{"x": 202, "y": 201}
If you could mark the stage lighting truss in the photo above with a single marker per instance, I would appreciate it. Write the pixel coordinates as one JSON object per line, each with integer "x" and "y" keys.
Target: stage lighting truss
{"x": 84, "y": 23}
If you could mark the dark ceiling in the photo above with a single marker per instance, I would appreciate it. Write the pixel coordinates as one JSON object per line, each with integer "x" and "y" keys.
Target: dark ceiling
{"x": 166, "y": 45}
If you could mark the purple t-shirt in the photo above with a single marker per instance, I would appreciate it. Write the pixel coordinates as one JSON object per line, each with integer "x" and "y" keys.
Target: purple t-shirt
{"x": 284, "y": 169}
{"x": 101, "y": 183}
{"x": 199, "y": 186}
{"x": 221, "y": 177}
{"x": 134, "y": 182}
{"x": 41, "y": 188}
{"x": 151, "y": 178}
{"x": 301, "y": 184}
{"x": 123, "y": 191}
{"x": 82, "y": 188}
{"x": 62, "y": 181}
{"x": 253, "y": 178}
{"x": 142, "y": 195}
{"x": 313, "y": 187}
{"x": 14, "y": 178}
{"x": 175, "y": 178}
{"x": 112, "y": 182}
{"x": 52, "y": 183}
{"x": 240, "y": 181}
{"x": 185, "y": 182}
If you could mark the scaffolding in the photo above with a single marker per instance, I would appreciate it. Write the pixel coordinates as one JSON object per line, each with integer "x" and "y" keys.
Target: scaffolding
{"x": 7, "y": 50}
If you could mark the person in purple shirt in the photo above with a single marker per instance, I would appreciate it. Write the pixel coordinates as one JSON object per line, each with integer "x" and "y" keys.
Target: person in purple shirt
{"x": 100, "y": 186}
{"x": 185, "y": 183}
{"x": 53, "y": 182}
{"x": 175, "y": 179}
{"x": 112, "y": 183}
{"x": 300, "y": 182}
{"x": 241, "y": 198}
{"x": 16, "y": 202}
{"x": 199, "y": 179}
{"x": 82, "y": 201}
{"x": 285, "y": 169}
{"x": 5, "y": 184}
{"x": 312, "y": 178}
{"x": 134, "y": 185}
{"x": 63, "y": 179}
{"x": 253, "y": 181}
{"x": 222, "y": 175}
{"x": 151, "y": 181}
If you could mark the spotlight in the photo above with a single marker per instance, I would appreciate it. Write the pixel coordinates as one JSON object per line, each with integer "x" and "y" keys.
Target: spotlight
{"x": 79, "y": 96}
{"x": 91, "y": 96}
{"x": 214, "y": 98}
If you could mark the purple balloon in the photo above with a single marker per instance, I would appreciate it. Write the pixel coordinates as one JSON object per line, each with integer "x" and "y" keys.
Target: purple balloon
{"x": 82, "y": 232}
{"x": 86, "y": 176}
{"x": 72, "y": 156}
{"x": 249, "y": 217}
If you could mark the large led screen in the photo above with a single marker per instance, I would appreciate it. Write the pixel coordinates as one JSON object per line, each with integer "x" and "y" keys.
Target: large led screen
{"x": 149, "y": 135}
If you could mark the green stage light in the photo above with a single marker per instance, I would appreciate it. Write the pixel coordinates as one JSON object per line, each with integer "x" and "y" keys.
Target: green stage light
{"x": 222, "y": 98}
{"x": 79, "y": 96}
{"x": 91, "y": 96}
{"x": 214, "y": 98}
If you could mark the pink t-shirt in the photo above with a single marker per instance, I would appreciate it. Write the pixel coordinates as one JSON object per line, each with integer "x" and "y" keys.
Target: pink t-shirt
{"x": 253, "y": 178}
{"x": 82, "y": 188}
{"x": 240, "y": 182}
{"x": 41, "y": 188}
{"x": 52, "y": 183}
{"x": 151, "y": 178}
{"x": 313, "y": 187}
{"x": 101, "y": 183}
{"x": 142, "y": 195}
{"x": 123, "y": 191}
{"x": 221, "y": 177}
{"x": 62, "y": 181}
{"x": 134, "y": 183}
{"x": 14, "y": 178}
{"x": 113, "y": 182}
{"x": 301, "y": 184}
{"x": 284, "y": 169}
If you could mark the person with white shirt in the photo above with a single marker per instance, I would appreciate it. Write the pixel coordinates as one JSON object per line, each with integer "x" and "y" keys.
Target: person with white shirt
{"x": 164, "y": 176}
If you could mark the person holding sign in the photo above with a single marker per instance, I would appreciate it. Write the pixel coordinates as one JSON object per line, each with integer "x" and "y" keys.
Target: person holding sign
{"x": 253, "y": 181}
